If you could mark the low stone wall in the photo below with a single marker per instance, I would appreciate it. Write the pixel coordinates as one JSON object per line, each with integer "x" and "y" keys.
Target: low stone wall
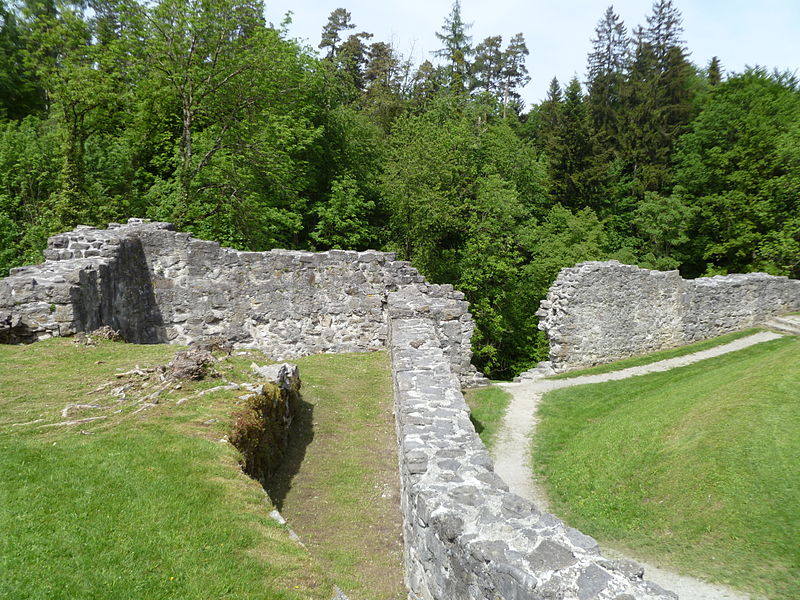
{"x": 157, "y": 285}
{"x": 466, "y": 535}
{"x": 599, "y": 312}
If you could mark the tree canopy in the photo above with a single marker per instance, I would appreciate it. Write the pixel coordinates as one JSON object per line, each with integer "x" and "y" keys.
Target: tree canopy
{"x": 202, "y": 113}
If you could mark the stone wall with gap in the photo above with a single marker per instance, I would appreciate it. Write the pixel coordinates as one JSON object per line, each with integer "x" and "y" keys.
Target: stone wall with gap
{"x": 599, "y": 312}
{"x": 466, "y": 536}
{"x": 157, "y": 285}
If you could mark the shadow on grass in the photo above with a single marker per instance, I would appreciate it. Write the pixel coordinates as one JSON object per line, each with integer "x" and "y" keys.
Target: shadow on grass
{"x": 477, "y": 425}
{"x": 301, "y": 433}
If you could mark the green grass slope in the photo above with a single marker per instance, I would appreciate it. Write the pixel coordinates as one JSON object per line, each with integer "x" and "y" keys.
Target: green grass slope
{"x": 697, "y": 466}
{"x": 148, "y": 504}
{"x": 343, "y": 499}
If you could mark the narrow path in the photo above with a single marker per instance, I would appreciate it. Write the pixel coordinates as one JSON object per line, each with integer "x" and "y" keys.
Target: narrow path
{"x": 512, "y": 451}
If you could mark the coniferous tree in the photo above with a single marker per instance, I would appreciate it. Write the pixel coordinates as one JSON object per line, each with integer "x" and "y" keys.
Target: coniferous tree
{"x": 657, "y": 99}
{"x": 338, "y": 21}
{"x": 425, "y": 84}
{"x": 501, "y": 72}
{"x": 714, "y": 72}
{"x": 570, "y": 150}
{"x": 488, "y": 65}
{"x": 549, "y": 118}
{"x": 514, "y": 73}
{"x": 383, "y": 97}
{"x": 351, "y": 58}
{"x": 606, "y": 76}
{"x": 457, "y": 48}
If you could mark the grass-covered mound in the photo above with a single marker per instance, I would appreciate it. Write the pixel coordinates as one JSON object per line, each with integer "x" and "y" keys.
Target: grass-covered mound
{"x": 126, "y": 498}
{"x": 696, "y": 466}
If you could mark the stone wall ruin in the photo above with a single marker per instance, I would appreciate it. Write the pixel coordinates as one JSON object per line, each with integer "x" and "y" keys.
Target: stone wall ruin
{"x": 466, "y": 535}
{"x": 599, "y": 312}
{"x": 156, "y": 285}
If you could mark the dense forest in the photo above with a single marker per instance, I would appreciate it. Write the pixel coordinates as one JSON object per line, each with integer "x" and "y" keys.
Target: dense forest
{"x": 202, "y": 113}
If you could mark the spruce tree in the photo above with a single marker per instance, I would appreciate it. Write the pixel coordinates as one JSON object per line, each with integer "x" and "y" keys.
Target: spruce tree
{"x": 549, "y": 117}
{"x": 714, "y": 72}
{"x": 457, "y": 48}
{"x": 570, "y": 150}
{"x": 657, "y": 99}
{"x": 606, "y": 76}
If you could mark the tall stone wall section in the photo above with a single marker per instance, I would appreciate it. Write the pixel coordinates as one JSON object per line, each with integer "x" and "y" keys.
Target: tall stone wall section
{"x": 466, "y": 536}
{"x": 157, "y": 285}
{"x": 599, "y": 312}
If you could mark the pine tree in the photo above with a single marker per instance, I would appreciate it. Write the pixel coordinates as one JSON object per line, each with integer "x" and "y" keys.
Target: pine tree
{"x": 352, "y": 59}
{"x": 338, "y": 21}
{"x": 488, "y": 66}
{"x": 515, "y": 73}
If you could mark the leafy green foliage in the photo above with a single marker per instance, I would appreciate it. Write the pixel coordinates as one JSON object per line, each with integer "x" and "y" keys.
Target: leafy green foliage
{"x": 343, "y": 220}
{"x": 738, "y": 167}
{"x": 459, "y": 194}
{"x": 202, "y": 114}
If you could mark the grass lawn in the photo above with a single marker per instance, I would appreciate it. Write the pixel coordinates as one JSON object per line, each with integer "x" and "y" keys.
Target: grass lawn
{"x": 647, "y": 359}
{"x": 149, "y": 504}
{"x": 339, "y": 487}
{"x": 697, "y": 466}
{"x": 487, "y": 406}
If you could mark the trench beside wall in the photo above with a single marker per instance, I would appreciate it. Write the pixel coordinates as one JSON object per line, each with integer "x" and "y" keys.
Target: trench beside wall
{"x": 599, "y": 312}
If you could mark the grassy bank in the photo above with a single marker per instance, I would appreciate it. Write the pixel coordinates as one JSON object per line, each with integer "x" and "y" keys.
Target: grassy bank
{"x": 647, "y": 359}
{"x": 696, "y": 466}
{"x": 150, "y": 502}
{"x": 487, "y": 406}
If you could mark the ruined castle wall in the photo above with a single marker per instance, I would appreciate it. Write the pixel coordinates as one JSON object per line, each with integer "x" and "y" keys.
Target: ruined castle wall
{"x": 599, "y": 312}
{"x": 466, "y": 536}
{"x": 91, "y": 278}
{"x": 157, "y": 285}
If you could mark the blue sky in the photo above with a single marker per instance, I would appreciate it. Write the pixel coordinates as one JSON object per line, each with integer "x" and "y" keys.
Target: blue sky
{"x": 559, "y": 33}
